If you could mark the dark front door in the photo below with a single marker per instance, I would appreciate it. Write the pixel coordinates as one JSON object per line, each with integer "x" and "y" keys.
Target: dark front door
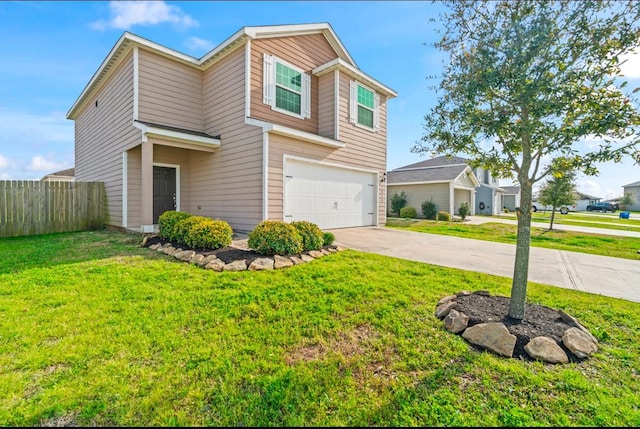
{"x": 164, "y": 191}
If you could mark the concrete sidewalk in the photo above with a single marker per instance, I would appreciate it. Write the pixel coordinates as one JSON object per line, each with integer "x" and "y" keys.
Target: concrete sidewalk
{"x": 602, "y": 275}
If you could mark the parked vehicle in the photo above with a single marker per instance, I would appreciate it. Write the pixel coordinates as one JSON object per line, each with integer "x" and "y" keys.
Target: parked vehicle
{"x": 536, "y": 206}
{"x": 602, "y": 207}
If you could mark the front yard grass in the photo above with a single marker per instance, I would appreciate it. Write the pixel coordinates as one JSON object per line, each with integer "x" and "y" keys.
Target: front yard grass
{"x": 98, "y": 331}
{"x": 595, "y": 244}
{"x": 593, "y": 220}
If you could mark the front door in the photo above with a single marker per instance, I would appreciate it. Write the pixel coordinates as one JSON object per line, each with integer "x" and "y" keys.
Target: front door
{"x": 164, "y": 191}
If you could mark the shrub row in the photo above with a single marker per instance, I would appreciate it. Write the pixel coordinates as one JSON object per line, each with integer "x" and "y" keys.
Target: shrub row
{"x": 274, "y": 237}
{"x": 198, "y": 232}
{"x": 429, "y": 209}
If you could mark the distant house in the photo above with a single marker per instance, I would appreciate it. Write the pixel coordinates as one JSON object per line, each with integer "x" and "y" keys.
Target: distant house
{"x": 489, "y": 197}
{"x": 67, "y": 175}
{"x": 634, "y": 190}
{"x": 584, "y": 200}
{"x": 511, "y": 198}
{"x": 448, "y": 181}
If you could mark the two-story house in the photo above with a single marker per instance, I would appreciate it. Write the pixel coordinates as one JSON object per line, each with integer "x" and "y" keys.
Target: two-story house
{"x": 489, "y": 196}
{"x": 277, "y": 122}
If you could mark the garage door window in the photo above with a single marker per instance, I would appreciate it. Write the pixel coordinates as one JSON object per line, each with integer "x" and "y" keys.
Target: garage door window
{"x": 286, "y": 88}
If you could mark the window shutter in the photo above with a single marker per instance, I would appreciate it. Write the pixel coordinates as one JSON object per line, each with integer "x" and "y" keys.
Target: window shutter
{"x": 306, "y": 95}
{"x": 353, "y": 102}
{"x": 268, "y": 80}
{"x": 376, "y": 112}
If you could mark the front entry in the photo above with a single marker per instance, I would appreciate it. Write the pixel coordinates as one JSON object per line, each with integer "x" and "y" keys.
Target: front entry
{"x": 164, "y": 190}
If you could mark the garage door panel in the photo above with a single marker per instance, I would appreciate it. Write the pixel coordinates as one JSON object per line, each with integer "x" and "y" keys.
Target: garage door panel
{"x": 328, "y": 196}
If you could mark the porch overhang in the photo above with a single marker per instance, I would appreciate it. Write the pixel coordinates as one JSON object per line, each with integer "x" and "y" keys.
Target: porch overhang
{"x": 178, "y": 137}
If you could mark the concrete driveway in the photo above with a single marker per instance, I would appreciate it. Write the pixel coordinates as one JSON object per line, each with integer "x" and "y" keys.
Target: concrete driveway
{"x": 602, "y": 275}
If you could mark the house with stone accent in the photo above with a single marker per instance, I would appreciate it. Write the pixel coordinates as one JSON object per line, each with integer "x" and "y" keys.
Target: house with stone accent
{"x": 277, "y": 122}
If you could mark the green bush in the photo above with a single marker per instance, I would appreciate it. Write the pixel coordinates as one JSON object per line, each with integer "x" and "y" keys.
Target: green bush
{"x": 328, "y": 238}
{"x": 443, "y": 215}
{"x": 429, "y": 209}
{"x": 408, "y": 213}
{"x": 275, "y": 237}
{"x": 311, "y": 234}
{"x": 168, "y": 221}
{"x": 182, "y": 228}
{"x": 398, "y": 201}
{"x": 209, "y": 234}
{"x": 463, "y": 211}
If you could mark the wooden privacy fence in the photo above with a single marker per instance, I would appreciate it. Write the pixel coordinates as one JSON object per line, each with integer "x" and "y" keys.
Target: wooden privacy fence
{"x": 29, "y": 207}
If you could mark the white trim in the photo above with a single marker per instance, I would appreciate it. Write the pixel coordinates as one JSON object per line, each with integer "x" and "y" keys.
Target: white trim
{"x": 340, "y": 64}
{"x": 452, "y": 197}
{"x": 268, "y": 127}
{"x": 177, "y": 168}
{"x": 431, "y": 166}
{"x": 247, "y": 79}
{"x": 270, "y": 85}
{"x": 151, "y": 131}
{"x": 136, "y": 78}
{"x": 354, "y": 104}
{"x": 433, "y": 182}
{"x": 286, "y": 156}
{"x": 125, "y": 189}
{"x": 265, "y": 176}
{"x": 336, "y": 102}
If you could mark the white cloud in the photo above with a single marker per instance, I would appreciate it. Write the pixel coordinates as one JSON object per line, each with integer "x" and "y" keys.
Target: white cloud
{"x": 4, "y": 162}
{"x": 126, "y": 14}
{"x": 36, "y": 129}
{"x": 589, "y": 187}
{"x": 631, "y": 67}
{"x": 40, "y": 163}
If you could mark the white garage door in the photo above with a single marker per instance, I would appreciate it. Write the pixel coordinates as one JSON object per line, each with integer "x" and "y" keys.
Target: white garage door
{"x": 330, "y": 197}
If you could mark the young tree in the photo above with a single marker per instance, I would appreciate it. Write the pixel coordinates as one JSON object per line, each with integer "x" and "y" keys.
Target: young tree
{"x": 525, "y": 82}
{"x": 398, "y": 201}
{"x": 558, "y": 190}
{"x": 627, "y": 201}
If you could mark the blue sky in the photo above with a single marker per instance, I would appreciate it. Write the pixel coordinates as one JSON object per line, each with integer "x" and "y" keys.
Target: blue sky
{"x": 50, "y": 50}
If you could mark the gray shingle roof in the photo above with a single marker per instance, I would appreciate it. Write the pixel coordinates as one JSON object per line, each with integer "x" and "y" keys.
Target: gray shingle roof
{"x": 511, "y": 190}
{"x": 436, "y": 162}
{"x": 445, "y": 173}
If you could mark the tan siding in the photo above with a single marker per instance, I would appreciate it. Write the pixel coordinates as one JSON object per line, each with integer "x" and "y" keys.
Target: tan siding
{"x": 306, "y": 52}
{"x": 170, "y": 93}
{"x": 134, "y": 188}
{"x": 417, "y": 194}
{"x": 103, "y": 132}
{"x": 326, "y": 105}
{"x": 464, "y": 181}
{"x": 461, "y": 196}
{"x": 227, "y": 184}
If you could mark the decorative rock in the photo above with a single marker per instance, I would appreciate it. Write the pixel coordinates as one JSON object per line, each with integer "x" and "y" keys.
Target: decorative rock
{"x": 206, "y": 260}
{"x": 197, "y": 258}
{"x": 579, "y": 342}
{"x": 185, "y": 255}
{"x": 572, "y": 321}
{"x": 455, "y": 321}
{"x": 546, "y": 350}
{"x": 482, "y": 292}
{"x": 169, "y": 250}
{"x": 332, "y": 250}
{"x": 324, "y": 252}
{"x": 446, "y": 299}
{"x": 315, "y": 253}
{"x": 261, "y": 264}
{"x": 144, "y": 240}
{"x": 239, "y": 265}
{"x": 215, "y": 265}
{"x": 306, "y": 258}
{"x": 463, "y": 293}
{"x": 154, "y": 246}
{"x": 296, "y": 260}
{"x": 340, "y": 248}
{"x": 493, "y": 336}
{"x": 281, "y": 262}
{"x": 443, "y": 309}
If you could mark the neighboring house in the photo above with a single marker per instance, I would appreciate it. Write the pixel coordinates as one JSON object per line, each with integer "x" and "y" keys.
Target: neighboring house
{"x": 511, "y": 198}
{"x": 277, "y": 122}
{"x": 584, "y": 200}
{"x": 634, "y": 190}
{"x": 60, "y": 176}
{"x": 489, "y": 196}
{"x": 449, "y": 181}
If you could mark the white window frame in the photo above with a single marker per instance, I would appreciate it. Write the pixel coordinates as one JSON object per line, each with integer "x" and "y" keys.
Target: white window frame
{"x": 269, "y": 87}
{"x": 353, "y": 106}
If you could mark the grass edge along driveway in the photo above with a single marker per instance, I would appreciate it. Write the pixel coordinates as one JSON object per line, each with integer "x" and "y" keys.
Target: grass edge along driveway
{"x": 98, "y": 331}
{"x": 595, "y": 244}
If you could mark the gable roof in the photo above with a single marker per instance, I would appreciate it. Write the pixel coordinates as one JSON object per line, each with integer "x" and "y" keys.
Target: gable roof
{"x": 437, "y": 174}
{"x": 436, "y": 162}
{"x": 632, "y": 184}
{"x": 584, "y": 196}
{"x": 69, "y": 172}
{"x": 511, "y": 190}
{"x": 128, "y": 41}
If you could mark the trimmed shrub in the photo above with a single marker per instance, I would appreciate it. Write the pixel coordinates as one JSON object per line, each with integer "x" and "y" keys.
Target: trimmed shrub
{"x": 182, "y": 228}
{"x": 398, "y": 201}
{"x": 328, "y": 238}
{"x": 408, "y": 213}
{"x": 444, "y": 216}
{"x": 463, "y": 211}
{"x": 429, "y": 209}
{"x": 167, "y": 222}
{"x": 311, "y": 234}
{"x": 209, "y": 234}
{"x": 275, "y": 237}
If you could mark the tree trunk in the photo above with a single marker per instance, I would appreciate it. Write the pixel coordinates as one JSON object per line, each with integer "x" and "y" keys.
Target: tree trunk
{"x": 553, "y": 214}
{"x": 521, "y": 267}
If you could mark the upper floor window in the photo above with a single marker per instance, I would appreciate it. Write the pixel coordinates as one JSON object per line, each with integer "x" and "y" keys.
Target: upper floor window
{"x": 364, "y": 105}
{"x": 286, "y": 89}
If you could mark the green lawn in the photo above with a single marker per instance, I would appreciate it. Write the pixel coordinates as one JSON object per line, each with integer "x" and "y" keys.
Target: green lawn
{"x": 594, "y": 220}
{"x": 606, "y": 245}
{"x": 98, "y": 331}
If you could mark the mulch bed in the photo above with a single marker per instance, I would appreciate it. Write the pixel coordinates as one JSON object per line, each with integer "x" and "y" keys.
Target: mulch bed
{"x": 226, "y": 254}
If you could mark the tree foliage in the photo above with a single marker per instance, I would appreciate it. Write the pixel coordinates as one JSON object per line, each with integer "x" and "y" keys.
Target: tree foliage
{"x": 558, "y": 190}
{"x": 627, "y": 200}
{"x": 526, "y": 82}
{"x": 398, "y": 201}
